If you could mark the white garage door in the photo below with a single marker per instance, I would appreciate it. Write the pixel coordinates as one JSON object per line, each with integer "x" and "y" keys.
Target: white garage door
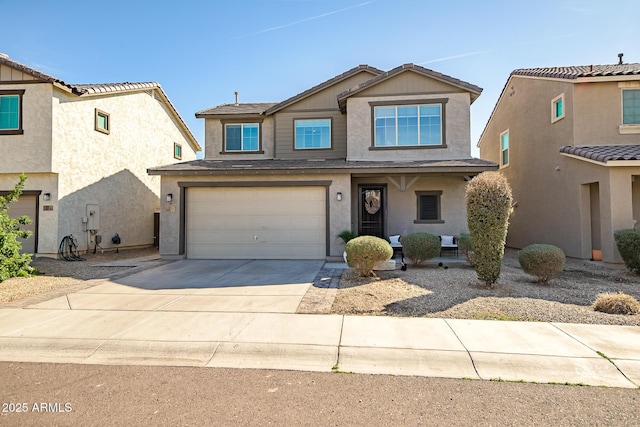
{"x": 256, "y": 223}
{"x": 26, "y": 205}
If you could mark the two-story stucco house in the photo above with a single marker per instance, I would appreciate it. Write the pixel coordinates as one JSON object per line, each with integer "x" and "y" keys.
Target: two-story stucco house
{"x": 568, "y": 141}
{"x": 85, "y": 149}
{"x": 379, "y": 153}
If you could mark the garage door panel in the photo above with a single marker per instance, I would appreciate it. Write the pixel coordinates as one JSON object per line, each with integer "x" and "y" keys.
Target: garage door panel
{"x": 268, "y": 223}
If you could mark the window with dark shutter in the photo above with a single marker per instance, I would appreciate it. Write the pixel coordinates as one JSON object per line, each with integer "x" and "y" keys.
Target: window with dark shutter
{"x": 428, "y": 203}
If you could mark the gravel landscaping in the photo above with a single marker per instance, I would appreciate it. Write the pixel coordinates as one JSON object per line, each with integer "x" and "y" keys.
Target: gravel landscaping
{"x": 455, "y": 292}
{"x": 60, "y": 275}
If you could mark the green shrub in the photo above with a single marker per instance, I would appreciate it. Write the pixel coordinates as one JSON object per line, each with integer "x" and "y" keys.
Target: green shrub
{"x": 420, "y": 247}
{"x": 12, "y": 262}
{"x": 489, "y": 204}
{"x": 365, "y": 251}
{"x": 617, "y": 303}
{"x": 465, "y": 245}
{"x": 542, "y": 261}
{"x": 628, "y": 242}
{"x": 347, "y": 235}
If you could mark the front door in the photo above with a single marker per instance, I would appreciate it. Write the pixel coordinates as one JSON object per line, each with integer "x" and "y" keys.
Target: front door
{"x": 371, "y": 210}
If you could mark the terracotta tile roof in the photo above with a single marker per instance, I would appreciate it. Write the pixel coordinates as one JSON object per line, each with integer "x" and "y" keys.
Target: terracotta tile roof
{"x": 476, "y": 90}
{"x": 604, "y": 153}
{"x": 232, "y": 109}
{"x": 574, "y": 72}
{"x": 324, "y": 85}
{"x": 100, "y": 88}
{"x": 223, "y": 167}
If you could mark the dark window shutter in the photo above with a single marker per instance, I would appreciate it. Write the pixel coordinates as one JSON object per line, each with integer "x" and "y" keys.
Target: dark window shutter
{"x": 429, "y": 207}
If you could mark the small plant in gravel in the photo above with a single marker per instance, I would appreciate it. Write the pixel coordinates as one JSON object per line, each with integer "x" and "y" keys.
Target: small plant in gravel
{"x": 420, "y": 247}
{"x": 12, "y": 262}
{"x": 616, "y": 303}
{"x": 628, "y": 242}
{"x": 365, "y": 251}
{"x": 542, "y": 261}
{"x": 489, "y": 205}
{"x": 465, "y": 245}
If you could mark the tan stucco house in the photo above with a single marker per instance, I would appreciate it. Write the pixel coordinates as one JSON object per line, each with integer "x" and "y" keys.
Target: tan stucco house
{"x": 568, "y": 141}
{"x": 379, "y": 153}
{"x": 85, "y": 149}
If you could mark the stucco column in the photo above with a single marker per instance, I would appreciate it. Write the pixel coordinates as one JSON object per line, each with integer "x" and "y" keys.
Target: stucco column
{"x": 617, "y": 202}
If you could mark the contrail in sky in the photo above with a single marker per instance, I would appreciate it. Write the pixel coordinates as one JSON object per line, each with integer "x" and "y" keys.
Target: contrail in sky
{"x": 306, "y": 19}
{"x": 446, "y": 58}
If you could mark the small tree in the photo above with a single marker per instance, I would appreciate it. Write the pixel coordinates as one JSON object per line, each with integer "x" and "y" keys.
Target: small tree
{"x": 489, "y": 205}
{"x": 12, "y": 262}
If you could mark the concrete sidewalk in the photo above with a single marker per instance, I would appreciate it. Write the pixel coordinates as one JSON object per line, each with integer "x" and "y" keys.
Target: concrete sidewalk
{"x": 241, "y": 314}
{"x": 475, "y": 349}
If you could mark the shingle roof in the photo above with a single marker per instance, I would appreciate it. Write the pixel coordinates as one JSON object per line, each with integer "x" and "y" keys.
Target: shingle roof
{"x": 604, "y": 153}
{"x": 101, "y": 88}
{"x": 405, "y": 67}
{"x": 231, "y": 109}
{"x": 223, "y": 167}
{"x": 574, "y": 72}
{"x": 324, "y": 85}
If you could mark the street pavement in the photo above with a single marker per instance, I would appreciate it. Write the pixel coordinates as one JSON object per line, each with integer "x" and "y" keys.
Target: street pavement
{"x": 242, "y": 314}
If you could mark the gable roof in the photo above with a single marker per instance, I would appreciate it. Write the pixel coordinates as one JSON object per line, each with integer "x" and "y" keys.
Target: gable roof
{"x": 473, "y": 89}
{"x": 574, "y": 72}
{"x": 104, "y": 88}
{"x": 235, "y": 109}
{"x": 603, "y": 153}
{"x": 317, "y": 88}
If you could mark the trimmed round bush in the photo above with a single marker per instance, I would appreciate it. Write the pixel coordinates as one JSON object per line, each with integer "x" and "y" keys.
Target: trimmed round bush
{"x": 365, "y": 251}
{"x": 542, "y": 261}
{"x": 465, "y": 245}
{"x": 628, "y": 242}
{"x": 489, "y": 205}
{"x": 420, "y": 247}
{"x": 618, "y": 303}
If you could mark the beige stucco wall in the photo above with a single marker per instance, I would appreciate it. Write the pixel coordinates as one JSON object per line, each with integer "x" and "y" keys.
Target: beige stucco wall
{"x": 31, "y": 151}
{"x": 214, "y": 143}
{"x": 402, "y": 205}
{"x": 457, "y": 125}
{"x": 551, "y": 190}
{"x": 170, "y": 228}
{"x": 111, "y": 170}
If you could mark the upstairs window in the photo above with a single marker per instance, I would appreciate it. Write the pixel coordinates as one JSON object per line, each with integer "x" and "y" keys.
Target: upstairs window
{"x": 11, "y": 112}
{"x": 177, "y": 151}
{"x": 504, "y": 148}
{"x": 313, "y": 134}
{"x": 631, "y": 107}
{"x": 408, "y": 125}
{"x": 557, "y": 108}
{"x": 102, "y": 122}
{"x": 242, "y": 137}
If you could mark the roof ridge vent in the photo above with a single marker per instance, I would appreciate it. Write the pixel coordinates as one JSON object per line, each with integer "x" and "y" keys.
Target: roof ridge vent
{"x": 620, "y": 55}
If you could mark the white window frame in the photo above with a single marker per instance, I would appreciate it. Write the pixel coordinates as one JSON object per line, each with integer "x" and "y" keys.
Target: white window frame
{"x": 554, "y": 103}
{"x": 295, "y": 133}
{"x": 508, "y": 149}
{"x": 242, "y": 125}
{"x": 418, "y": 105}
{"x": 627, "y": 128}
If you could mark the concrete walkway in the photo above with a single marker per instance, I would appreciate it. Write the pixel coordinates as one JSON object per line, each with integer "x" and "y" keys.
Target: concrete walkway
{"x": 223, "y": 314}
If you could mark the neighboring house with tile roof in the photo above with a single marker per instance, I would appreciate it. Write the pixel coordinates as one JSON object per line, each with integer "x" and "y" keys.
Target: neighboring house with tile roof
{"x": 373, "y": 152}
{"x": 85, "y": 149}
{"x": 568, "y": 141}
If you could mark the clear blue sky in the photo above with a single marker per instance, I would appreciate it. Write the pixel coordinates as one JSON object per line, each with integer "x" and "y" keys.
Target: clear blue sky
{"x": 268, "y": 50}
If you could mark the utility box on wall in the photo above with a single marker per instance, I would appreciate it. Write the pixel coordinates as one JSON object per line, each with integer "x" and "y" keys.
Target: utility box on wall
{"x": 93, "y": 217}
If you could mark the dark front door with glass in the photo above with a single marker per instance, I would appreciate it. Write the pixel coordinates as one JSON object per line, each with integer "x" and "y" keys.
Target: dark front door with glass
{"x": 371, "y": 210}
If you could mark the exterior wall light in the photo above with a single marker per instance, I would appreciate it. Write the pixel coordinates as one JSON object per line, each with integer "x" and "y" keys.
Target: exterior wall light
{"x": 46, "y": 197}
{"x": 339, "y": 196}
{"x": 169, "y": 197}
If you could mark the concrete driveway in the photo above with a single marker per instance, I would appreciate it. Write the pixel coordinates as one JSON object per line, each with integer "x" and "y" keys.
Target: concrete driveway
{"x": 247, "y": 286}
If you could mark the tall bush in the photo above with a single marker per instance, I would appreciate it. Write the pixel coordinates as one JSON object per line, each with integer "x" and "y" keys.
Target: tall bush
{"x": 489, "y": 205}
{"x": 465, "y": 245}
{"x": 12, "y": 262}
{"x": 420, "y": 247}
{"x": 365, "y": 251}
{"x": 628, "y": 242}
